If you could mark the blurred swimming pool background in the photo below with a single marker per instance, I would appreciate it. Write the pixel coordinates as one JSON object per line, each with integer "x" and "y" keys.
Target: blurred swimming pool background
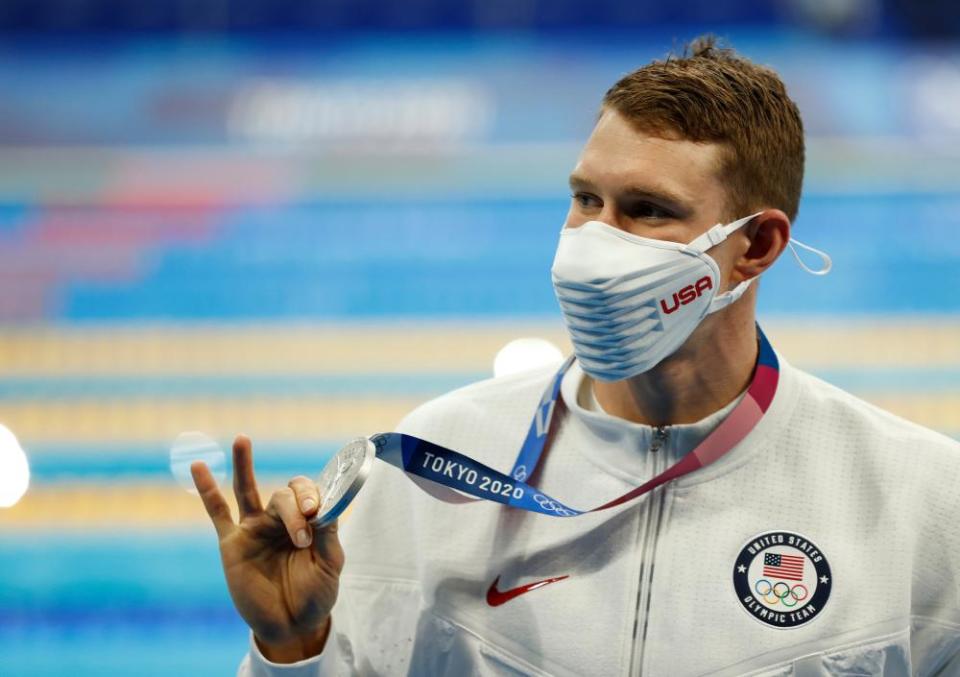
{"x": 303, "y": 236}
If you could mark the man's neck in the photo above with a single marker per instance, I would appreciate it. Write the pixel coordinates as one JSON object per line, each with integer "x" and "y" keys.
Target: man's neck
{"x": 707, "y": 373}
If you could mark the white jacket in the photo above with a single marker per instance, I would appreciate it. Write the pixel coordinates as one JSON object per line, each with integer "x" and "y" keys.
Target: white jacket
{"x": 650, "y": 586}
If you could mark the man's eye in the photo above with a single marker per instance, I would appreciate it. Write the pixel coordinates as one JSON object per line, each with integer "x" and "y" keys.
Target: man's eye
{"x": 647, "y": 210}
{"x": 587, "y": 201}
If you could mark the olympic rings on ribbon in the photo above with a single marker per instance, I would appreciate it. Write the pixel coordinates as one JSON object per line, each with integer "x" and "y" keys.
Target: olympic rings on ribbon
{"x": 551, "y": 505}
{"x": 773, "y": 594}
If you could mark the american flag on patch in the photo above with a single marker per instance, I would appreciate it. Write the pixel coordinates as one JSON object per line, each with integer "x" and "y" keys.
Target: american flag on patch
{"x": 783, "y": 566}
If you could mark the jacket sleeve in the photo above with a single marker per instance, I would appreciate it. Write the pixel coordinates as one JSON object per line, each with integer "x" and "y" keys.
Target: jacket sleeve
{"x": 335, "y": 660}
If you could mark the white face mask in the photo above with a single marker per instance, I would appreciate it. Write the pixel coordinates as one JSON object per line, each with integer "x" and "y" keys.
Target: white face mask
{"x": 629, "y": 301}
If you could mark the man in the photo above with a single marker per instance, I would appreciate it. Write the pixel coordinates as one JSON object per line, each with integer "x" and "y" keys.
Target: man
{"x": 767, "y": 523}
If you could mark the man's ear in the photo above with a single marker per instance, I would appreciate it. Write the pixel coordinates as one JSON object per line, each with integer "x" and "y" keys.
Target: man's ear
{"x": 769, "y": 234}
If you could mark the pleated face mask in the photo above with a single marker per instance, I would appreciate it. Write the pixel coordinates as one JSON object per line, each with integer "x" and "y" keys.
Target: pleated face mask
{"x": 629, "y": 301}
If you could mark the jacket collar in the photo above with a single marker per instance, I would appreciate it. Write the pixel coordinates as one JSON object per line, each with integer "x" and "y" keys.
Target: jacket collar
{"x": 621, "y": 440}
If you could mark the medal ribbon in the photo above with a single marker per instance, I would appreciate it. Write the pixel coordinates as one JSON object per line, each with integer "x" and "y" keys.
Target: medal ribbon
{"x": 426, "y": 460}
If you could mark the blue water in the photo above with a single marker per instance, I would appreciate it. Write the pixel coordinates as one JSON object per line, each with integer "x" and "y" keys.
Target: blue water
{"x": 116, "y": 604}
{"x": 459, "y": 258}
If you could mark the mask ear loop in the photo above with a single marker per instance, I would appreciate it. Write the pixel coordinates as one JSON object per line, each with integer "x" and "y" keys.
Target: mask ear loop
{"x": 827, "y": 261}
{"x": 718, "y": 234}
{"x": 723, "y": 300}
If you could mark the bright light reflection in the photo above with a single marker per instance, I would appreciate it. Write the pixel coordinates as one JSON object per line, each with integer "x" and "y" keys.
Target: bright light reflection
{"x": 196, "y": 446}
{"x": 14, "y": 469}
{"x": 524, "y": 354}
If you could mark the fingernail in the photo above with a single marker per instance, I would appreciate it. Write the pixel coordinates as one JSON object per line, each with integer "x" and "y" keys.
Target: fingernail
{"x": 309, "y": 504}
{"x": 303, "y": 538}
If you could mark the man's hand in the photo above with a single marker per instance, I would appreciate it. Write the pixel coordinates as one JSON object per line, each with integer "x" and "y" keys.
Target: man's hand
{"x": 282, "y": 572}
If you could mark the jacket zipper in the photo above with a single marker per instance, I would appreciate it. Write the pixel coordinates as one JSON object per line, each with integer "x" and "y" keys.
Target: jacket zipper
{"x": 651, "y": 530}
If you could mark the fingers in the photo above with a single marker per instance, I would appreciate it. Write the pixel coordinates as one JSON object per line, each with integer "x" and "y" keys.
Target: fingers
{"x": 327, "y": 545}
{"x": 283, "y": 505}
{"x": 213, "y": 500}
{"x": 308, "y": 496}
{"x": 244, "y": 480}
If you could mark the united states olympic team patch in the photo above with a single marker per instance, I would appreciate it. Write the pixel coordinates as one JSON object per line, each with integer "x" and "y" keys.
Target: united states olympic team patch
{"x": 782, "y": 579}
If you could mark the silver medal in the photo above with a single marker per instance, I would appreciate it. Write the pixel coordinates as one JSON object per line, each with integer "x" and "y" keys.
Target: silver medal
{"x": 342, "y": 478}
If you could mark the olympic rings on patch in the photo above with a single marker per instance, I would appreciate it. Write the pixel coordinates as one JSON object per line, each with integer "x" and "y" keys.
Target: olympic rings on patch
{"x": 773, "y": 594}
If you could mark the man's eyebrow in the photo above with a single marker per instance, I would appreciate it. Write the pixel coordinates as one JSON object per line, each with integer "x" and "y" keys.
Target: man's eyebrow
{"x": 577, "y": 181}
{"x": 656, "y": 194}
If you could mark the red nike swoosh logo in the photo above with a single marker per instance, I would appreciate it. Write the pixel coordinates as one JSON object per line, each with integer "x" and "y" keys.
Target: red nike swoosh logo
{"x": 497, "y": 597}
